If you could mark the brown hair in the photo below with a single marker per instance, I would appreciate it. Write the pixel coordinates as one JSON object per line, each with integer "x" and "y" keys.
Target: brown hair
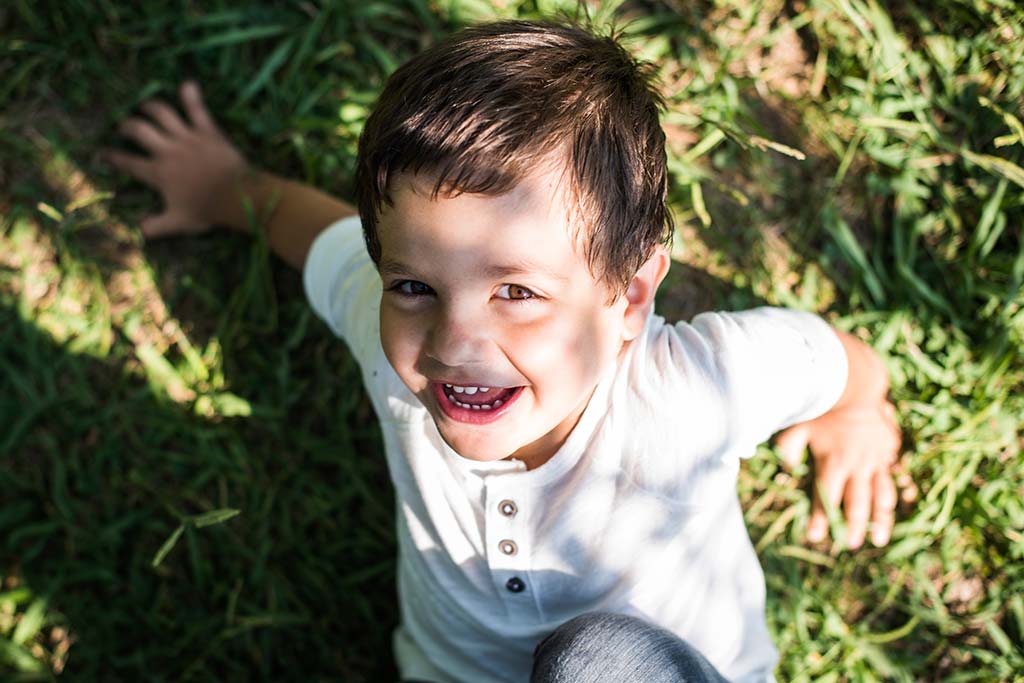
{"x": 477, "y": 110}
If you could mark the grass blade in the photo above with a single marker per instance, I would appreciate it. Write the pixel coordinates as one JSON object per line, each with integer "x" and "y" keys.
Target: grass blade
{"x": 167, "y": 546}
{"x": 214, "y": 517}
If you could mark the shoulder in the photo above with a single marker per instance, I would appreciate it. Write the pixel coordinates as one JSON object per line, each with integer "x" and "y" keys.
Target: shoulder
{"x": 338, "y": 251}
{"x": 343, "y": 286}
{"x": 697, "y": 350}
{"x": 720, "y": 339}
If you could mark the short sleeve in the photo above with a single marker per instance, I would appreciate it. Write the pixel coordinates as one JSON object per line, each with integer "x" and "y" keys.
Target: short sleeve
{"x": 778, "y": 367}
{"x": 752, "y": 373}
{"x": 343, "y": 286}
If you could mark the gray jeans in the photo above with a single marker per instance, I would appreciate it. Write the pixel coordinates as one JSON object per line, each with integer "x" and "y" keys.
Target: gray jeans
{"x": 600, "y": 647}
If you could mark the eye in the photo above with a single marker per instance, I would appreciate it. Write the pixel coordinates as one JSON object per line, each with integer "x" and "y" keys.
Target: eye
{"x": 411, "y": 288}
{"x": 515, "y": 293}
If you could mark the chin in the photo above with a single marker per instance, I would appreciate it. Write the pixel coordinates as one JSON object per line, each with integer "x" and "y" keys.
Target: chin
{"x": 480, "y": 452}
{"x": 480, "y": 449}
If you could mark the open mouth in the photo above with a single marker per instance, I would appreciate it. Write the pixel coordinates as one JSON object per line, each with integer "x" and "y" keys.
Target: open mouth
{"x": 474, "y": 403}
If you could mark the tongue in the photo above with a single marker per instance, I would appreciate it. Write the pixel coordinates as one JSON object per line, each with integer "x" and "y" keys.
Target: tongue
{"x": 483, "y": 397}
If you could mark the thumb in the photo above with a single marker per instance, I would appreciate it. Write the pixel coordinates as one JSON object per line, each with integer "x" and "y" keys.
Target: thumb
{"x": 792, "y": 442}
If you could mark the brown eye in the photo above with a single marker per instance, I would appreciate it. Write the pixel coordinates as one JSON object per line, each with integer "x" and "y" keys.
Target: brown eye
{"x": 515, "y": 293}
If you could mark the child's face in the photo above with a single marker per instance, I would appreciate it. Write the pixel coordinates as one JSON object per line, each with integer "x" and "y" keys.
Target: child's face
{"x": 492, "y": 292}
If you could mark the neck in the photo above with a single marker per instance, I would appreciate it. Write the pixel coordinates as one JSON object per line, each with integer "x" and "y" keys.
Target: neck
{"x": 535, "y": 454}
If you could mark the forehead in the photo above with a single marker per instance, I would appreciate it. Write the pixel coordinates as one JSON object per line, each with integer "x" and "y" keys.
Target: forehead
{"x": 532, "y": 225}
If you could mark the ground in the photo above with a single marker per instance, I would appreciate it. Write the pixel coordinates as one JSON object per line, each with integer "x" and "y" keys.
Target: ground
{"x": 827, "y": 156}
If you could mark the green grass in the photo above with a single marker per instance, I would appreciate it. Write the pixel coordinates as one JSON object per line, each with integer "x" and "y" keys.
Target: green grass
{"x": 835, "y": 156}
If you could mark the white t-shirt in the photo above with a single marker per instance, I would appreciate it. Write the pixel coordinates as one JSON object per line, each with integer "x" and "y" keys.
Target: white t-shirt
{"x": 636, "y": 513}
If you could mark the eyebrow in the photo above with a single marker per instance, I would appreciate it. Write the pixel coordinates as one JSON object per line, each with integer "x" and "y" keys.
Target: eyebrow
{"x": 398, "y": 269}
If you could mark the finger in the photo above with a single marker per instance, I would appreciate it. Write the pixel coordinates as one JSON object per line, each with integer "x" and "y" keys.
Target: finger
{"x": 165, "y": 116}
{"x": 791, "y": 444}
{"x": 144, "y": 133}
{"x": 829, "y": 482}
{"x": 132, "y": 164}
{"x": 904, "y": 482}
{"x": 857, "y": 506}
{"x": 192, "y": 98}
{"x": 883, "y": 508}
{"x": 160, "y": 226}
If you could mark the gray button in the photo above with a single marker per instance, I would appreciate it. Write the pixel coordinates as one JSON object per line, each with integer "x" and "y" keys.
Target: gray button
{"x": 515, "y": 585}
{"x": 508, "y": 547}
{"x": 508, "y": 508}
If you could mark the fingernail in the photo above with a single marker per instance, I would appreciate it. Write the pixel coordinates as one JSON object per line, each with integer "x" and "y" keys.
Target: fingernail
{"x": 879, "y": 537}
{"x": 816, "y": 533}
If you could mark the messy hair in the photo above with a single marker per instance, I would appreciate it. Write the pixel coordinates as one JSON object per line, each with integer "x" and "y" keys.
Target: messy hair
{"x": 478, "y": 110}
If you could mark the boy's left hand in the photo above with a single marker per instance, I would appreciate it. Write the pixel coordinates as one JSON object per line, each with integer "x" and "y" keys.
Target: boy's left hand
{"x": 855, "y": 449}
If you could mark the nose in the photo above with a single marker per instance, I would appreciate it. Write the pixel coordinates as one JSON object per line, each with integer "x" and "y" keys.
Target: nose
{"x": 458, "y": 336}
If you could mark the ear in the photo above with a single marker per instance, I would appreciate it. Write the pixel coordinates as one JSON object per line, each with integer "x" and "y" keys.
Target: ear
{"x": 639, "y": 294}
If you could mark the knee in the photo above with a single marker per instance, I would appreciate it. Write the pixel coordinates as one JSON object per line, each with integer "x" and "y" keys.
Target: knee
{"x": 583, "y": 634}
{"x": 586, "y": 645}
{"x": 600, "y": 646}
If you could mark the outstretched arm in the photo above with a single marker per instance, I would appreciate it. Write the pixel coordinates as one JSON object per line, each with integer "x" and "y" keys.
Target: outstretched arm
{"x": 855, "y": 445}
{"x": 205, "y": 181}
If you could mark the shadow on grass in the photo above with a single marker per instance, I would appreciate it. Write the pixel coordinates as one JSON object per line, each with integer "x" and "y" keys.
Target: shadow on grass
{"x": 102, "y": 462}
{"x": 97, "y": 473}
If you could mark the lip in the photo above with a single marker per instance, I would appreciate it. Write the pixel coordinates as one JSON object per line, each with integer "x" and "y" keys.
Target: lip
{"x": 468, "y": 415}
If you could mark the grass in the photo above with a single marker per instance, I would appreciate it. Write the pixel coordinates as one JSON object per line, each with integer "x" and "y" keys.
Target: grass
{"x": 830, "y": 155}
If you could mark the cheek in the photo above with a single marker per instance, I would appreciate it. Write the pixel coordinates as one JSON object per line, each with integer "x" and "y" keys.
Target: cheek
{"x": 567, "y": 354}
{"x": 400, "y": 339}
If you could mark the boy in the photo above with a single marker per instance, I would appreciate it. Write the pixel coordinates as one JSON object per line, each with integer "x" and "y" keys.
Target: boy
{"x": 564, "y": 460}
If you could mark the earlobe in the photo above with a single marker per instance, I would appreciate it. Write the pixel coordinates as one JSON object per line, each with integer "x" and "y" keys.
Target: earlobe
{"x": 641, "y": 290}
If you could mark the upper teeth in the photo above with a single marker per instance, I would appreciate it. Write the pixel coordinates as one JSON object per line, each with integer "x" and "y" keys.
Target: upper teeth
{"x": 466, "y": 390}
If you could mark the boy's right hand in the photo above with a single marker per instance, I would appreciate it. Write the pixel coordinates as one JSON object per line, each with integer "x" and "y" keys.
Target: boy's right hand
{"x": 191, "y": 163}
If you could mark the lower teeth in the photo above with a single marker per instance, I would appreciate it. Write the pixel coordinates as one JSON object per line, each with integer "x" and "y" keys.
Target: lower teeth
{"x": 469, "y": 406}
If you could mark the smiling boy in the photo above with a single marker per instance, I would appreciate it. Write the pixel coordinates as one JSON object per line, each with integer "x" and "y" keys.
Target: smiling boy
{"x": 527, "y": 332}
{"x": 564, "y": 460}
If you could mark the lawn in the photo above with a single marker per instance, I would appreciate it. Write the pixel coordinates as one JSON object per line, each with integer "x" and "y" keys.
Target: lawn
{"x": 192, "y": 485}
